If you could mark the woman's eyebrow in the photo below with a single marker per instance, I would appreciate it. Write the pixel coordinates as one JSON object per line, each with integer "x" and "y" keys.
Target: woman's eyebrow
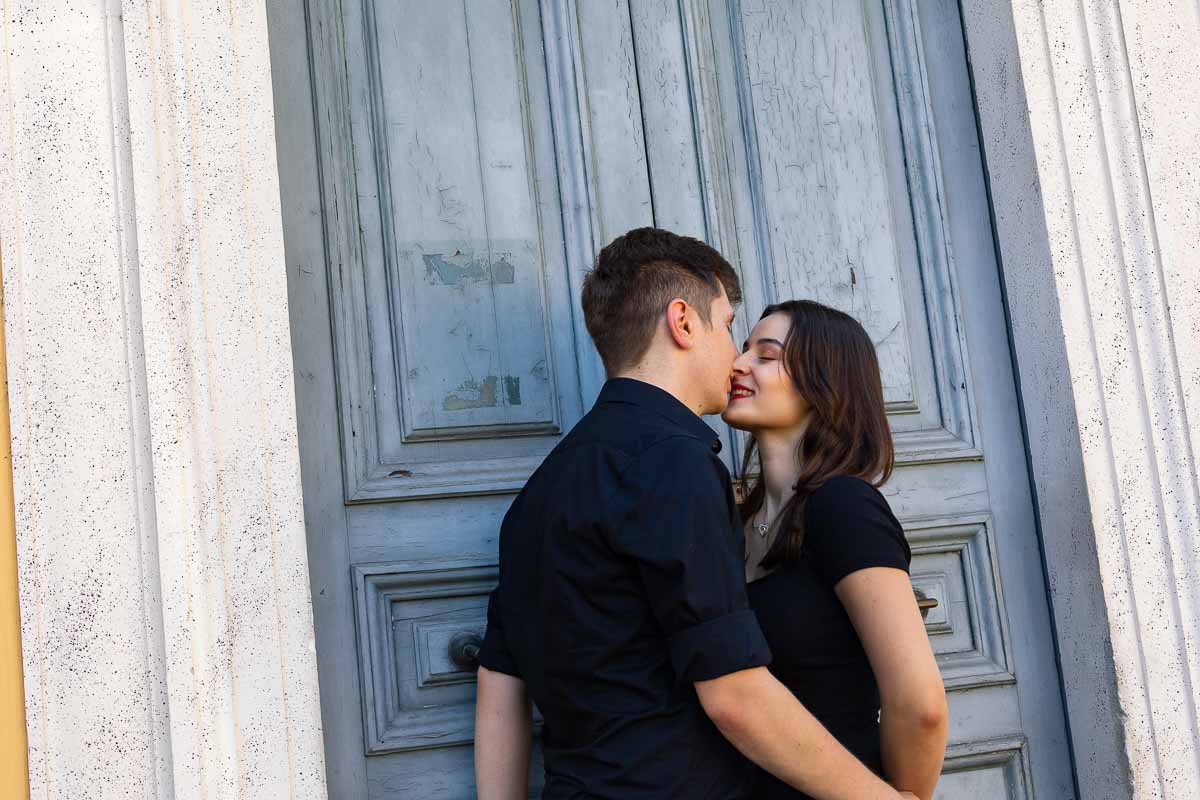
{"x": 770, "y": 341}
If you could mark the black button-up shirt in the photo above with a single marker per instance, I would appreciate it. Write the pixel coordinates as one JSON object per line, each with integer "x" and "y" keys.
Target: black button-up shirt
{"x": 622, "y": 582}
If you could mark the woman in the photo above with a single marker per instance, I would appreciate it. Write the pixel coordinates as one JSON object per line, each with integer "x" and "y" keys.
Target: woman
{"x": 826, "y": 560}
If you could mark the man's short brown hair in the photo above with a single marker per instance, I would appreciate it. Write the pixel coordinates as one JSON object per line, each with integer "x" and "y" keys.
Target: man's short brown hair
{"x": 636, "y": 276}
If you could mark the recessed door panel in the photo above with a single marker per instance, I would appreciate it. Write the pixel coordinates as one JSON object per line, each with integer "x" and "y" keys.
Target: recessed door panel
{"x": 455, "y": 342}
{"x": 824, "y": 182}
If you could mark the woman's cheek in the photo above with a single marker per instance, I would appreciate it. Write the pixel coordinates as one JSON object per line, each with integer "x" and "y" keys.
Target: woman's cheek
{"x": 770, "y": 380}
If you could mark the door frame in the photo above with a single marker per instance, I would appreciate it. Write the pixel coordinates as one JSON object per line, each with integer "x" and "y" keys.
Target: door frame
{"x": 1000, "y": 73}
{"x": 988, "y": 35}
{"x": 292, "y": 35}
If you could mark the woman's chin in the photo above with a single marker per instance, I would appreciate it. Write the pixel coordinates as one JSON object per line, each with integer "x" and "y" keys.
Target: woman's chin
{"x": 736, "y": 420}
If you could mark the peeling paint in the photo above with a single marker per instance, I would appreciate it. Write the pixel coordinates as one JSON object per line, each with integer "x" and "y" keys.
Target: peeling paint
{"x": 472, "y": 394}
{"x": 440, "y": 269}
{"x": 483, "y": 394}
{"x": 503, "y": 270}
{"x": 512, "y": 388}
{"x": 460, "y": 267}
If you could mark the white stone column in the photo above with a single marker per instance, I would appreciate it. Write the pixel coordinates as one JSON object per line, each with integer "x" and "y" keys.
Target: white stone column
{"x": 1090, "y": 115}
{"x": 166, "y": 617}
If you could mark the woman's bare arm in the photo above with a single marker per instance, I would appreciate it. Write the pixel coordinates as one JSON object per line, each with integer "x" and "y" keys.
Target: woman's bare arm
{"x": 914, "y": 717}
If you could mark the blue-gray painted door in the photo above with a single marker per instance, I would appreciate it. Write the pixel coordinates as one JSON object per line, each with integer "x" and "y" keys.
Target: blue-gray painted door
{"x": 469, "y": 159}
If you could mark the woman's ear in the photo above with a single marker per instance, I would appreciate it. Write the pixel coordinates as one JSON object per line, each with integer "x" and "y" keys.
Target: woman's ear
{"x": 681, "y": 323}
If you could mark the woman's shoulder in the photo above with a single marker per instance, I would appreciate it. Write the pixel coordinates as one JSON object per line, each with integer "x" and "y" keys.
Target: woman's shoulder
{"x": 849, "y": 521}
{"x": 846, "y": 494}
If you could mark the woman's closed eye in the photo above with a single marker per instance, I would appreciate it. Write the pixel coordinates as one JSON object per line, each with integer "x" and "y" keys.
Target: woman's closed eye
{"x": 768, "y": 355}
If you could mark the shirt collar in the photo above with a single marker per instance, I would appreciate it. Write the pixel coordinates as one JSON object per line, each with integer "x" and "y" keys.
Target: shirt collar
{"x": 660, "y": 401}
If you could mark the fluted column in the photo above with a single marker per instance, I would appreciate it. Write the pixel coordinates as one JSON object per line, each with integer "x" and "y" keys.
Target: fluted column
{"x": 166, "y": 620}
{"x": 1090, "y": 116}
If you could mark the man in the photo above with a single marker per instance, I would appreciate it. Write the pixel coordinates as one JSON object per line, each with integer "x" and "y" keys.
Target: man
{"x": 621, "y": 608}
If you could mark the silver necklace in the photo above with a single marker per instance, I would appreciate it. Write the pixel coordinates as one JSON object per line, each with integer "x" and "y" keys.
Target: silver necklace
{"x": 764, "y": 527}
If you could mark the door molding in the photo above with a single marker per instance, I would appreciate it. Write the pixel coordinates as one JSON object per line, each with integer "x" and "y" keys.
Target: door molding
{"x": 969, "y": 627}
{"x": 947, "y": 432}
{"x": 410, "y": 705}
{"x": 582, "y": 192}
{"x": 1008, "y": 756}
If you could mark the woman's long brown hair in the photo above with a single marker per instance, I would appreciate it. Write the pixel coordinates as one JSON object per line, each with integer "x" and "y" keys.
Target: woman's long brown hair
{"x": 832, "y": 363}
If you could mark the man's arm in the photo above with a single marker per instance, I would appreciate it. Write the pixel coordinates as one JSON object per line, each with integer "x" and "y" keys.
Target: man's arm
{"x": 768, "y": 724}
{"x": 688, "y": 551}
{"x": 503, "y": 737}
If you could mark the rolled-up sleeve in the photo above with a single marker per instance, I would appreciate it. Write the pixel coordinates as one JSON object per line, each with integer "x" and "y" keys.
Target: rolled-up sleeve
{"x": 495, "y": 654}
{"x": 678, "y": 529}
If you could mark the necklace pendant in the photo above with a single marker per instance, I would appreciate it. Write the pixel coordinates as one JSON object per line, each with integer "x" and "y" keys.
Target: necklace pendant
{"x": 762, "y": 529}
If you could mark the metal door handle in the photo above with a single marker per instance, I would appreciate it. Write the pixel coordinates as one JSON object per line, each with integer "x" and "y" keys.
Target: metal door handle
{"x": 464, "y": 650}
{"x": 925, "y": 603}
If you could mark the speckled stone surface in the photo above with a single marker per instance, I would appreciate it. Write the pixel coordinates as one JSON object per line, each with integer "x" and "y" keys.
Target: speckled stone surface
{"x": 166, "y": 616}
{"x": 1091, "y": 122}
{"x": 166, "y": 622}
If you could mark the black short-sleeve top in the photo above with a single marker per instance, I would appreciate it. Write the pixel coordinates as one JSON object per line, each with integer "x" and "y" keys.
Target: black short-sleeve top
{"x": 817, "y": 653}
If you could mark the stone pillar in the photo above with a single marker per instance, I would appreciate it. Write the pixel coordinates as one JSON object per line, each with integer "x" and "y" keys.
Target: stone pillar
{"x": 1090, "y": 120}
{"x": 166, "y": 618}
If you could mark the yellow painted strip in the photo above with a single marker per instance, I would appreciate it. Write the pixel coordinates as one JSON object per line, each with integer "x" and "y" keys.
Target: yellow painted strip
{"x": 14, "y": 752}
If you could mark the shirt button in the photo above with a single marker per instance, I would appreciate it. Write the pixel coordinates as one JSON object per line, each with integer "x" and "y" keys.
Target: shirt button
{"x": 716, "y": 445}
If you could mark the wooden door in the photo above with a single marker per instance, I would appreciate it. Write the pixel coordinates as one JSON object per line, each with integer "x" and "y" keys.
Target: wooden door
{"x": 470, "y": 158}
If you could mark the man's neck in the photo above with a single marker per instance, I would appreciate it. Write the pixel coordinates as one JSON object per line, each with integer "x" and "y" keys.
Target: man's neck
{"x": 666, "y": 379}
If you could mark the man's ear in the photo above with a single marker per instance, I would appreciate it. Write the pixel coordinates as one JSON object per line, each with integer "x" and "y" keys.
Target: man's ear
{"x": 681, "y": 323}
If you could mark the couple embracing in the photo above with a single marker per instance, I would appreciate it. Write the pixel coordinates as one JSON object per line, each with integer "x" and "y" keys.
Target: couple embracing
{"x": 678, "y": 643}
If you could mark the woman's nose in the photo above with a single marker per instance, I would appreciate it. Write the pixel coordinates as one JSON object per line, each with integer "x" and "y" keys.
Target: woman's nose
{"x": 739, "y": 364}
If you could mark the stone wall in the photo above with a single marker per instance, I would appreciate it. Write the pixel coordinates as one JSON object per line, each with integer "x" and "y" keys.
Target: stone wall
{"x": 167, "y": 626}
